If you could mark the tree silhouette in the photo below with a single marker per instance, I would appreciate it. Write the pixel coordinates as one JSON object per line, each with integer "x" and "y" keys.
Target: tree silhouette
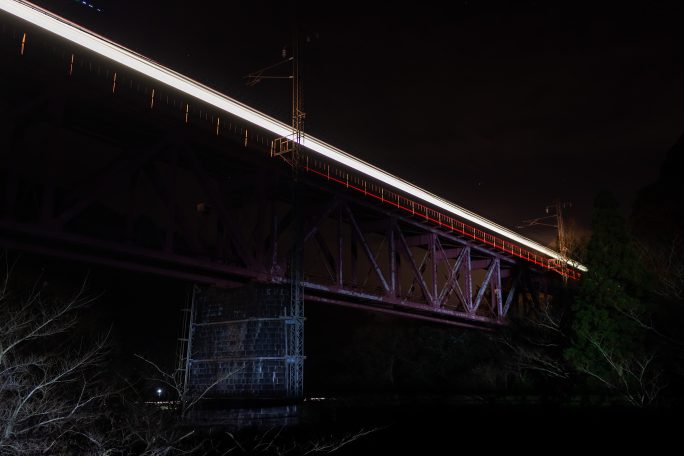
{"x": 51, "y": 388}
{"x": 609, "y": 340}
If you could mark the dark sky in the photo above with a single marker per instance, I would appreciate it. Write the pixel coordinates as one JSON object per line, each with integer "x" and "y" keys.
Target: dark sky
{"x": 500, "y": 107}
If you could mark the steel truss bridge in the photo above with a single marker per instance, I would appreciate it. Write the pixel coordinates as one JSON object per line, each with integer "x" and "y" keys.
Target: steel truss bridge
{"x": 110, "y": 158}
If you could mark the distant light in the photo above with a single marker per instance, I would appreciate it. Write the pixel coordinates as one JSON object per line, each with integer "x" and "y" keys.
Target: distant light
{"x": 159, "y": 392}
{"x": 86, "y": 3}
{"x": 96, "y": 43}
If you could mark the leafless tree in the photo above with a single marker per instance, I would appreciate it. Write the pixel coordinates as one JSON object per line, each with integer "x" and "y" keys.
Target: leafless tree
{"x": 634, "y": 377}
{"x": 664, "y": 260}
{"x": 157, "y": 428}
{"x": 536, "y": 348}
{"x": 274, "y": 442}
{"x": 54, "y": 398}
{"x": 174, "y": 381}
{"x": 51, "y": 390}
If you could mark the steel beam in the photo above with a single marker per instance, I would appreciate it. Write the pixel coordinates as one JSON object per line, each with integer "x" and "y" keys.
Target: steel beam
{"x": 392, "y": 258}
{"x": 484, "y": 285}
{"x": 452, "y": 281}
{"x": 227, "y": 218}
{"x": 362, "y": 239}
{"x": 339, "y": 265}
{"x": 106, "y": 181}
{"x": 418, "y": 274}
{"x": 510, "y": 295}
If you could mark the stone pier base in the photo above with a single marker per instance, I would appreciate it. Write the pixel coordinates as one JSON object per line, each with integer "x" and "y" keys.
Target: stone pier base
{"x": 241, "y": 356}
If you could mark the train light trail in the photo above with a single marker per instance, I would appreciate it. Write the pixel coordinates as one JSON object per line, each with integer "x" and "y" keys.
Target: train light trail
{"x": 126, "y": 57}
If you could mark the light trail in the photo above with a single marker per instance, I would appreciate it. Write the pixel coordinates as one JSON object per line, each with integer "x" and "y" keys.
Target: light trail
{"x": 106, "y": 48}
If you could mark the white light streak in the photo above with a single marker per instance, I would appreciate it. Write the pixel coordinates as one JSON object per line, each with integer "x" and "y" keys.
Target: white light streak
{"x": 106, "y": 48}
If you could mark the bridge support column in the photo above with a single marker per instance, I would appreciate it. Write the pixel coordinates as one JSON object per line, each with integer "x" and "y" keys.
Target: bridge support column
{"x": 242, "y": 358}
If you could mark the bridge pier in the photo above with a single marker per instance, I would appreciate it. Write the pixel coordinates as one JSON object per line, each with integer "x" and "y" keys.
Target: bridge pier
{"x": 241, "y": 359}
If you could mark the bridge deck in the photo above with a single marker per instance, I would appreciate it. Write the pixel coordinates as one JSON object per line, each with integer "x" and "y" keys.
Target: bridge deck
{"x": 322, "y": 159}
{"x": 106, "y": 166}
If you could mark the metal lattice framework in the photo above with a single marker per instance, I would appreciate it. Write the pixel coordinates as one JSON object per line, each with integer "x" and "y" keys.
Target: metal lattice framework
{"x": 400, "y": 193}
{"x": 101, "y": 166}
{"x": 206, "y": 204}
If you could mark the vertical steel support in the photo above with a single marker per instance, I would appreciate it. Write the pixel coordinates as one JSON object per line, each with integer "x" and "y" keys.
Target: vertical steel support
{"x": 340, "y": 249}
{"x": 294, "y": 333}
{"x": 294, "y": 343}
{"x": 416, "y": 270}
{"x": 392, "y": 250}
{"x": 452, "y": 282}
{"x": 188, "y": 353}
{"x": 485, "y": 284}
{"x": 354, "y": 254}
{"x": 511, "y": 295}
{"x": 433, "y": 266}
{"x": 468, "y": 280}
{"x": 367, "y": 250}
{"x": 497, "y": 304}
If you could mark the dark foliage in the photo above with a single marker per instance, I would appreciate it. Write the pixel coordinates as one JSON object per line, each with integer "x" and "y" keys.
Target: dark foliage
{"x": 393, "y": 356}
{"x": 609, "y": 342}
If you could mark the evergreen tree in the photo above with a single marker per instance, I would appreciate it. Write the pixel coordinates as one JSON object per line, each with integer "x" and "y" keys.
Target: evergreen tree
{"x": 609, "y": 339}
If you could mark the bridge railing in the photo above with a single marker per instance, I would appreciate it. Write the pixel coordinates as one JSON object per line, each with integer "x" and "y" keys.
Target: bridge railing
{"x": 353, "y": 181}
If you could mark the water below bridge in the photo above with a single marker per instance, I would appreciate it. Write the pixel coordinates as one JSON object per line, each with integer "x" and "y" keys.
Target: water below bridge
{"x": 394, "y": 424}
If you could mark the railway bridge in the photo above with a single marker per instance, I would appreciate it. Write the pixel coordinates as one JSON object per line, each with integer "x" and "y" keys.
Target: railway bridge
{"x": 110, "y": 158}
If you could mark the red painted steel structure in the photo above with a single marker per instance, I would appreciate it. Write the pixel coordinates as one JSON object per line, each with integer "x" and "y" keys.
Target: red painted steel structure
{"x": 354, "y": 182}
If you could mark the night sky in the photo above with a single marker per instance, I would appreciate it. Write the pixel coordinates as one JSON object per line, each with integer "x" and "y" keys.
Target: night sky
{"x": 500, "y": 107}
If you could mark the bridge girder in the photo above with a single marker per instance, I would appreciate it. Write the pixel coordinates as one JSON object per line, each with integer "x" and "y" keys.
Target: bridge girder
{"x": 145, "y": 189}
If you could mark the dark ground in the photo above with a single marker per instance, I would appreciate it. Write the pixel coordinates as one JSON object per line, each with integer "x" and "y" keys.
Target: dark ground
{"x": 450, "y": 429}
{"x": 444, "y": 425}
{"x": 406, "y": 423}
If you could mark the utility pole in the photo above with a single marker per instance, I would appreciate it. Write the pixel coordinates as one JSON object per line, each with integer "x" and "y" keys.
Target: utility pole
{"x": 289, "y": 150}
{"x": 298, "y": 114}
{"x": 554, "y": 220}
